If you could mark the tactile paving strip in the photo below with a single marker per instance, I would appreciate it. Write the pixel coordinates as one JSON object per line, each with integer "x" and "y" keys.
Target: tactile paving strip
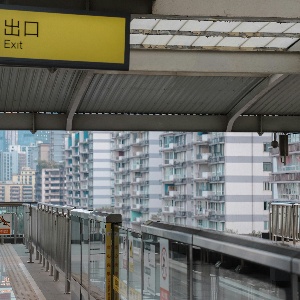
{"x": 22, "y": 283}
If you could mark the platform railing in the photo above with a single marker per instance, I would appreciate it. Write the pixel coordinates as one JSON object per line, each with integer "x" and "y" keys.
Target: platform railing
{"x": 100, "y": 259}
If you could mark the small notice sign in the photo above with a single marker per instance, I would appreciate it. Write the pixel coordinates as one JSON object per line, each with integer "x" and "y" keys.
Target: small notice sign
{"x": 5, "y": 224}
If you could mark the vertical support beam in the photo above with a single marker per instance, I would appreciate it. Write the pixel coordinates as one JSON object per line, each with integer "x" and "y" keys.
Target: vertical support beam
{"x": 30, "y": 235}
{"x": 190, "y": 272}
{"x": 80, "y": 89}
{"x": 15, "y": 228}
{"x": 56, "y": 274}
{"x": 253, "y": 97}
{"x": 68, "y": 256}
{"x": 108, "y": 261}
{"x": 115, "y": 263}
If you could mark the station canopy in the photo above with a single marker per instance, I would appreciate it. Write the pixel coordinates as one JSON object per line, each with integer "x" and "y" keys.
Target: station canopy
{"x": 186, "y": 73}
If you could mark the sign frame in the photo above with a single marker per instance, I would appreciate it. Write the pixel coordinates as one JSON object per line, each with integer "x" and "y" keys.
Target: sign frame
{"x": 6, "y": 229}
{"x": 52, "y": 63}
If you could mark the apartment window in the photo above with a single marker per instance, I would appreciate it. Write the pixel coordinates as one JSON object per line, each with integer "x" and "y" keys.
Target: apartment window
{"x": 267, "y": 166}
{"x": 267, "y": 186}
{"x": 266, "y": 205}
{"x": 266, "y": 225}
{"x": 266, "y": 147}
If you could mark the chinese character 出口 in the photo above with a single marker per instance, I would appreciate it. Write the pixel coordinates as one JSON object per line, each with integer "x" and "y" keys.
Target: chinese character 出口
{"x": 12, "y": 28}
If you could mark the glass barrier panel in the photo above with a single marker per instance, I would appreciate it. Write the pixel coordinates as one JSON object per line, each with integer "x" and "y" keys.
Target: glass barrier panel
{"x": 151, "y": 269}
{"x": 121, "y": 268}
{"x": 76, "y": 249}
{"x": 97, "y": 259}
{"x": 85, "y": 253}
{"x": 178, "y": 270}
{"x": 218, "y": 276}
{"x": 135, "y": 265}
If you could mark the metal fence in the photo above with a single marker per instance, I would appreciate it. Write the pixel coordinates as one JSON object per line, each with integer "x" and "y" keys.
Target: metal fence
{"x": 103, "y": 260}
{"x": 284, "y": 222}
{"x": 47, "y": 229}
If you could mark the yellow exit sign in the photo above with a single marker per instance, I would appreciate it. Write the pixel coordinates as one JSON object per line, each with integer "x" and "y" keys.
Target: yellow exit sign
{"x": 63, "y": 39}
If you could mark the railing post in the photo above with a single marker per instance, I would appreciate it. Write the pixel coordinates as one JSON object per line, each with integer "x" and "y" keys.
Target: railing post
{"x": 68, "y": 255}
{"x": 30, "y": 235}
{"x": 190, "y": 271}
{"x": 15, "y": 228}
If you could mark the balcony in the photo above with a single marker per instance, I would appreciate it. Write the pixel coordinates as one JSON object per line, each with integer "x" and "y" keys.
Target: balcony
{"x": 217, "y": 179}
{"x": 201, "y": 214}
{"x": 125, "y": 207}
{"x": 118, "y": 205}
{"x": 183, "y": 197}
{"x": 202, "y": 176}
{"x": 180, "y": 212}
{"x": 216, "y": 159}
{"x": 136, "y": 207}
{"x": 168, "y": 210}
{"x": 201, "y": 139}
{"x": 284, "y": 177}
{"x": 173, "y": 193}
{"x": 217, "y": 140}
{"x": 137, "y": 221}
{"x": 215, "y": 215}
{"x": 202, "y": 157}
{"x": 217, "y": 198}
{"x": 203, "y": 194}
{"x": 168, "y": 162}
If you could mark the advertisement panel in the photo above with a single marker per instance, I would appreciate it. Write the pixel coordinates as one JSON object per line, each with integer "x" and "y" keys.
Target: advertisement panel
{"x": 164, "y": 270}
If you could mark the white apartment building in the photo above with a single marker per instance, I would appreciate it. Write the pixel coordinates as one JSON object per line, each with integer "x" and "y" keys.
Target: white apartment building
{"x": 137, "y": 174}
{"x": 88, "y": 169}
{"x": 286, "y": 177}
{"x": 51, "y": 186}
{"x": 218, "y": 181}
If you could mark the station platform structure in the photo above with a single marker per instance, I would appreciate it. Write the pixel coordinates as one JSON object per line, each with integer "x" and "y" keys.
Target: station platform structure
{"x": 73, "y": 253}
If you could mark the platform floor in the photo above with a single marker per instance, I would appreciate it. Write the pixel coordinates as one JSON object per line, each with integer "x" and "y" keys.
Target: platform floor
{"x": 25, "y": 280}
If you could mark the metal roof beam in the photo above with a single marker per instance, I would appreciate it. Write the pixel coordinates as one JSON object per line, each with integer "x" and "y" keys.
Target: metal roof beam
{"x": 80, "y": 89}
{"x": 252, "y": 97}
{"x": 228, "y": 8}
{"x": 150, "y": 122}
{"x": 195, "y": 63}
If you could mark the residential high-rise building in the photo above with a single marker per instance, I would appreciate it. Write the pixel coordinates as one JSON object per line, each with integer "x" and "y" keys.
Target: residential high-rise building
{"x": 43, "y": 152}
{"x": 50, "y": 185}
{"x": 3, "y": 143}
{"x": 57, "y": 146}
{"x": 5, "y": 166}
{"x": 136, "y": 163}
{"x": 218, "y": 181}
{"x": 87, "y": 167}
{"x": 285, "y": 177}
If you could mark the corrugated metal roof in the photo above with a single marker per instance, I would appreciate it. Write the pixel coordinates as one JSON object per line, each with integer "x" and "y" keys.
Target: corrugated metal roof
{"x": 164, "y": 94}
{"x": 39, "y": 90}
{"x": 36, "y": 89}
{"x": 282, "y": 100}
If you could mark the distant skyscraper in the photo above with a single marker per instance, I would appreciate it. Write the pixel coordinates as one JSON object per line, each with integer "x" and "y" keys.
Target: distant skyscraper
{"x": 57, "y": 146}
{"x": 3, "y": 144}
{"x": 42, "y": 136}
{"x": 5, "y": 166}
{"x": 25, "y": 138}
